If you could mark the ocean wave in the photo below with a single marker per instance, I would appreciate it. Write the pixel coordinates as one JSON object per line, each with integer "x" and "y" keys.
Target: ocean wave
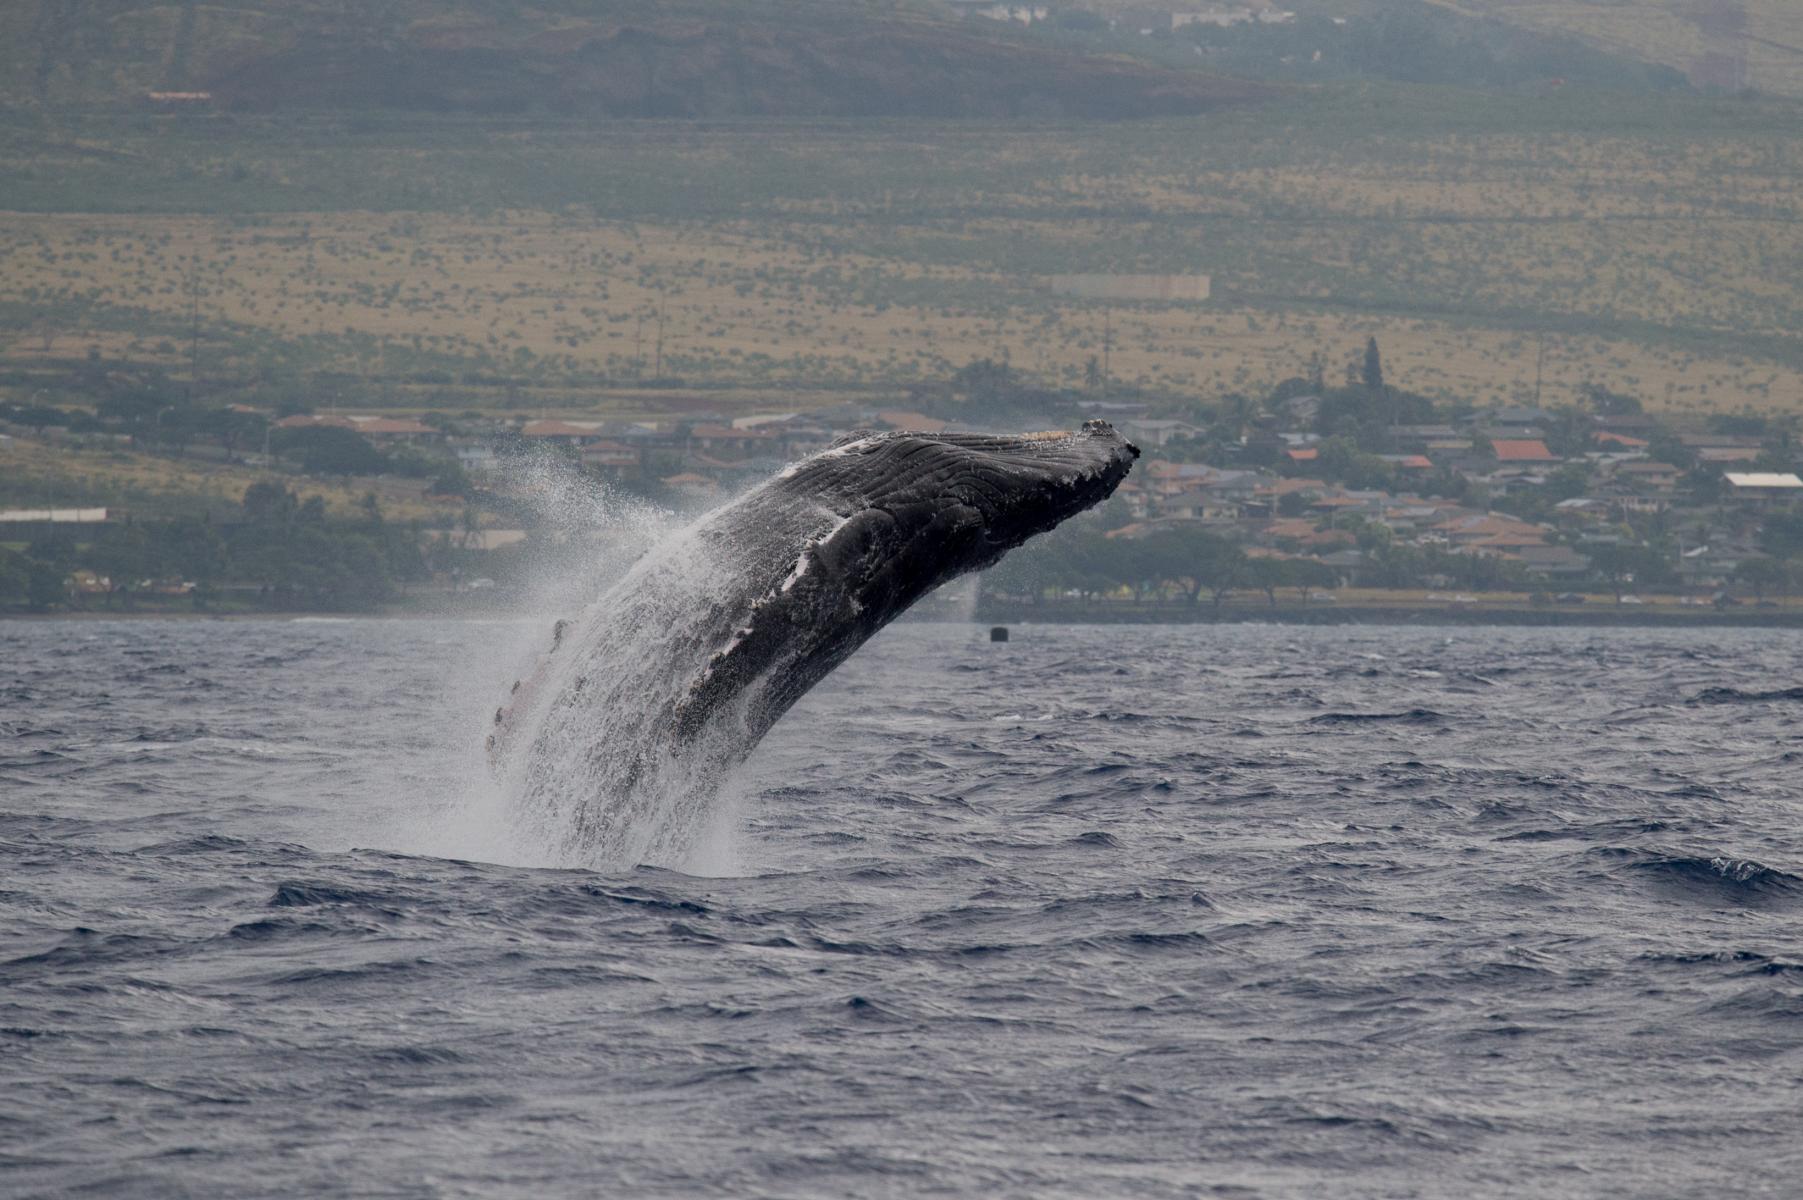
{"x": 1734, "y": 695}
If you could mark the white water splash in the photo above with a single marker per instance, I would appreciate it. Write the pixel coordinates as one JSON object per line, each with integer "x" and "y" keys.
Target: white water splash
{"x": 677, "y": 813}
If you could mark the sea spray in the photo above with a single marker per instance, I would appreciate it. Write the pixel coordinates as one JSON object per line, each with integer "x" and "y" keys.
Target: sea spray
{"x": 586, "y": 537}
{"x": 583, "y": 770}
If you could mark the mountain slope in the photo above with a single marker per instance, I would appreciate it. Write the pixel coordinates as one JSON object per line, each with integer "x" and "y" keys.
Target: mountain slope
{"x": 1728, "y": 44}
{"x": 620, "y": 59}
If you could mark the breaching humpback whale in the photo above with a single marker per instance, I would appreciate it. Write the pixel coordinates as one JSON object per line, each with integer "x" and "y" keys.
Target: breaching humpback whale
{"x": 616, "y": 747}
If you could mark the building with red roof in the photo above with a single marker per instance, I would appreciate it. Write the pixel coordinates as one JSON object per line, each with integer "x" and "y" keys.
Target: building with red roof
{"x": 1522, "y": 450}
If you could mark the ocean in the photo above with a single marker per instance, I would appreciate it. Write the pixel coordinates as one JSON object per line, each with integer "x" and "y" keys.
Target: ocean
{"x": 1240, "y": 911}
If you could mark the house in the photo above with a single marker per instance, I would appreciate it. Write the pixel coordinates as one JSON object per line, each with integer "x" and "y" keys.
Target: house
{"x": 995, "y": 10}
{"x": 1648, "y": 478}
{"x": 1225, "y": 16}
{"x": 1729, "y": 454}
{"x": 477, "y": 458}
{"x": 1520, "y": 416}
{"x": 1714, "y": 565}
{"x": 1157, "y": 433}
{"x": 1764, "y": 489}
{"x": 1199, "y": 504}
{"x": 395, "y": 429}
{"x": 315, "y": 421}
{"x": 29, "y": 524}
{"x": 913, "y": 422}
{"x": 88, "y": 583}
{"x": 610, "y": 456}
{"x": 692, "y": 486}
{"x": 725, "y": 439}
{"x": 1302, "y": 409}
{"x": 1115, "y": 410}
{"x": 1552, "y": 562}
{"x": 1583, "y": 510}
{"x": 1347, "y": 564}
{"x": 1411, "y": 516}
{"x": 1720, "y": 441}
{"x": 570, "y": 433}
{"x": 1490, "y": 531}
{"x": 474, "y": 539}
{"x": 1522, "y": 450}
{"x": 1420, "y": 437}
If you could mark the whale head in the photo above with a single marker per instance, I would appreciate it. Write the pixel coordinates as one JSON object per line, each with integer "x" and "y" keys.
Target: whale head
{"x": 902, "y": 513}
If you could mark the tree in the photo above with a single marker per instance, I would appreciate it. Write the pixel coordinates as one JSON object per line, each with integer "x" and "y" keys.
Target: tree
{"x": 1295, "y": 504}
{"x": 451, "y": 481}
{"x": 329, "y": 450}
{"x": 1306, "y": 574}
{"x": 1608, "y": 403}
{"x": 1622, "y": 564}
{"x": 1764, "y": 575}
{"x": 1373, "y": 374}
{"x": 128, "y": 555}
{"x": 269, "y": 503}
{"x": 15, "y": 577}
{"x": 1267, "y": 575}
{"x": 1197, "y": 560}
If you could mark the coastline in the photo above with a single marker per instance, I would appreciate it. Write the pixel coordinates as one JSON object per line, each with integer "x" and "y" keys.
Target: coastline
{"x": 1104, "y": 613}
{"x": 1660, "y": 617}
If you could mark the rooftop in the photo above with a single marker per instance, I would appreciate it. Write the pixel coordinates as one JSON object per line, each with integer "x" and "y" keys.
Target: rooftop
{"x": 1765, "y": 479}
{"x": 1522, "y": 450}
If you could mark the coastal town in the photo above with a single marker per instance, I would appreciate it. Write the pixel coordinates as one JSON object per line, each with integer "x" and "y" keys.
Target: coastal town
{"x": 1310, "y": 495}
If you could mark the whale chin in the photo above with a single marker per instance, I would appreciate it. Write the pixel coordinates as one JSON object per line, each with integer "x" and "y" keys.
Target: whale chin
{"x": 681, "y": 668}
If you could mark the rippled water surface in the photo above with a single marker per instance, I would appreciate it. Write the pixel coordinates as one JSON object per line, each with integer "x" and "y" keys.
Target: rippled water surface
{"x": 1255, "y": 911}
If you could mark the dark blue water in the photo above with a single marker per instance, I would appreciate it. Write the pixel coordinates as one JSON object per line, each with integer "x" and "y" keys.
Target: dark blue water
{"x": 1250, "y": 912}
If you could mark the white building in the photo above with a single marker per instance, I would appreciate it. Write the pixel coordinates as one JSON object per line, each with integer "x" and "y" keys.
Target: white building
{"x": 1235, "y": 15}
{"x": 992, "y": 10}
{"x": 1764, "y": 488}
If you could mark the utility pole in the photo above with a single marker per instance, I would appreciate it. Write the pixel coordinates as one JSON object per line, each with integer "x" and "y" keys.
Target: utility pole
{"x": 1107, "y": 346}
{"x": 193, "y": 329}
{"x": 638, "y": 346}
{"x": 1539, "y": 362}
{"x": 657, "y": 370}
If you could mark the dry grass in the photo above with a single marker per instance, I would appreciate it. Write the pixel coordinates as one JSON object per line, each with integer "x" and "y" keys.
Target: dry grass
{"x": 1659, "y": 262}
{"x": 737, "y": 305}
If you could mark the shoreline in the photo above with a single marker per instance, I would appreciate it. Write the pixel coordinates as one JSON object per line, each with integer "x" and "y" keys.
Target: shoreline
{"x": 1465, "y": 615}
{"x": 996, "y": 613}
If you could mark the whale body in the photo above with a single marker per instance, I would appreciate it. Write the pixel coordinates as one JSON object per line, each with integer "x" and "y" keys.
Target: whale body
{"x": 678, "y": 670}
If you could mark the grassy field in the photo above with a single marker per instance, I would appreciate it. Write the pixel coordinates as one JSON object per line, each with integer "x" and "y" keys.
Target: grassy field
{"x": 1651, "y": 244}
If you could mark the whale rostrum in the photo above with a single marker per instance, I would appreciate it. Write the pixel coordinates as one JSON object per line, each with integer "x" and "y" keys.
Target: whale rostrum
{"x": 679, "y": 669}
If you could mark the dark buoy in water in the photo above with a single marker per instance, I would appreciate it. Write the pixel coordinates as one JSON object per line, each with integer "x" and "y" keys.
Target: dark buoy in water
{"x": 999, "y": 633}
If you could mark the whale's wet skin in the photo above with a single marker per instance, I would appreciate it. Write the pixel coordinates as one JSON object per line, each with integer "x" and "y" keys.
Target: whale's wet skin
{"x": 616, "y": 747}
{"x": 1157, "y": 912}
